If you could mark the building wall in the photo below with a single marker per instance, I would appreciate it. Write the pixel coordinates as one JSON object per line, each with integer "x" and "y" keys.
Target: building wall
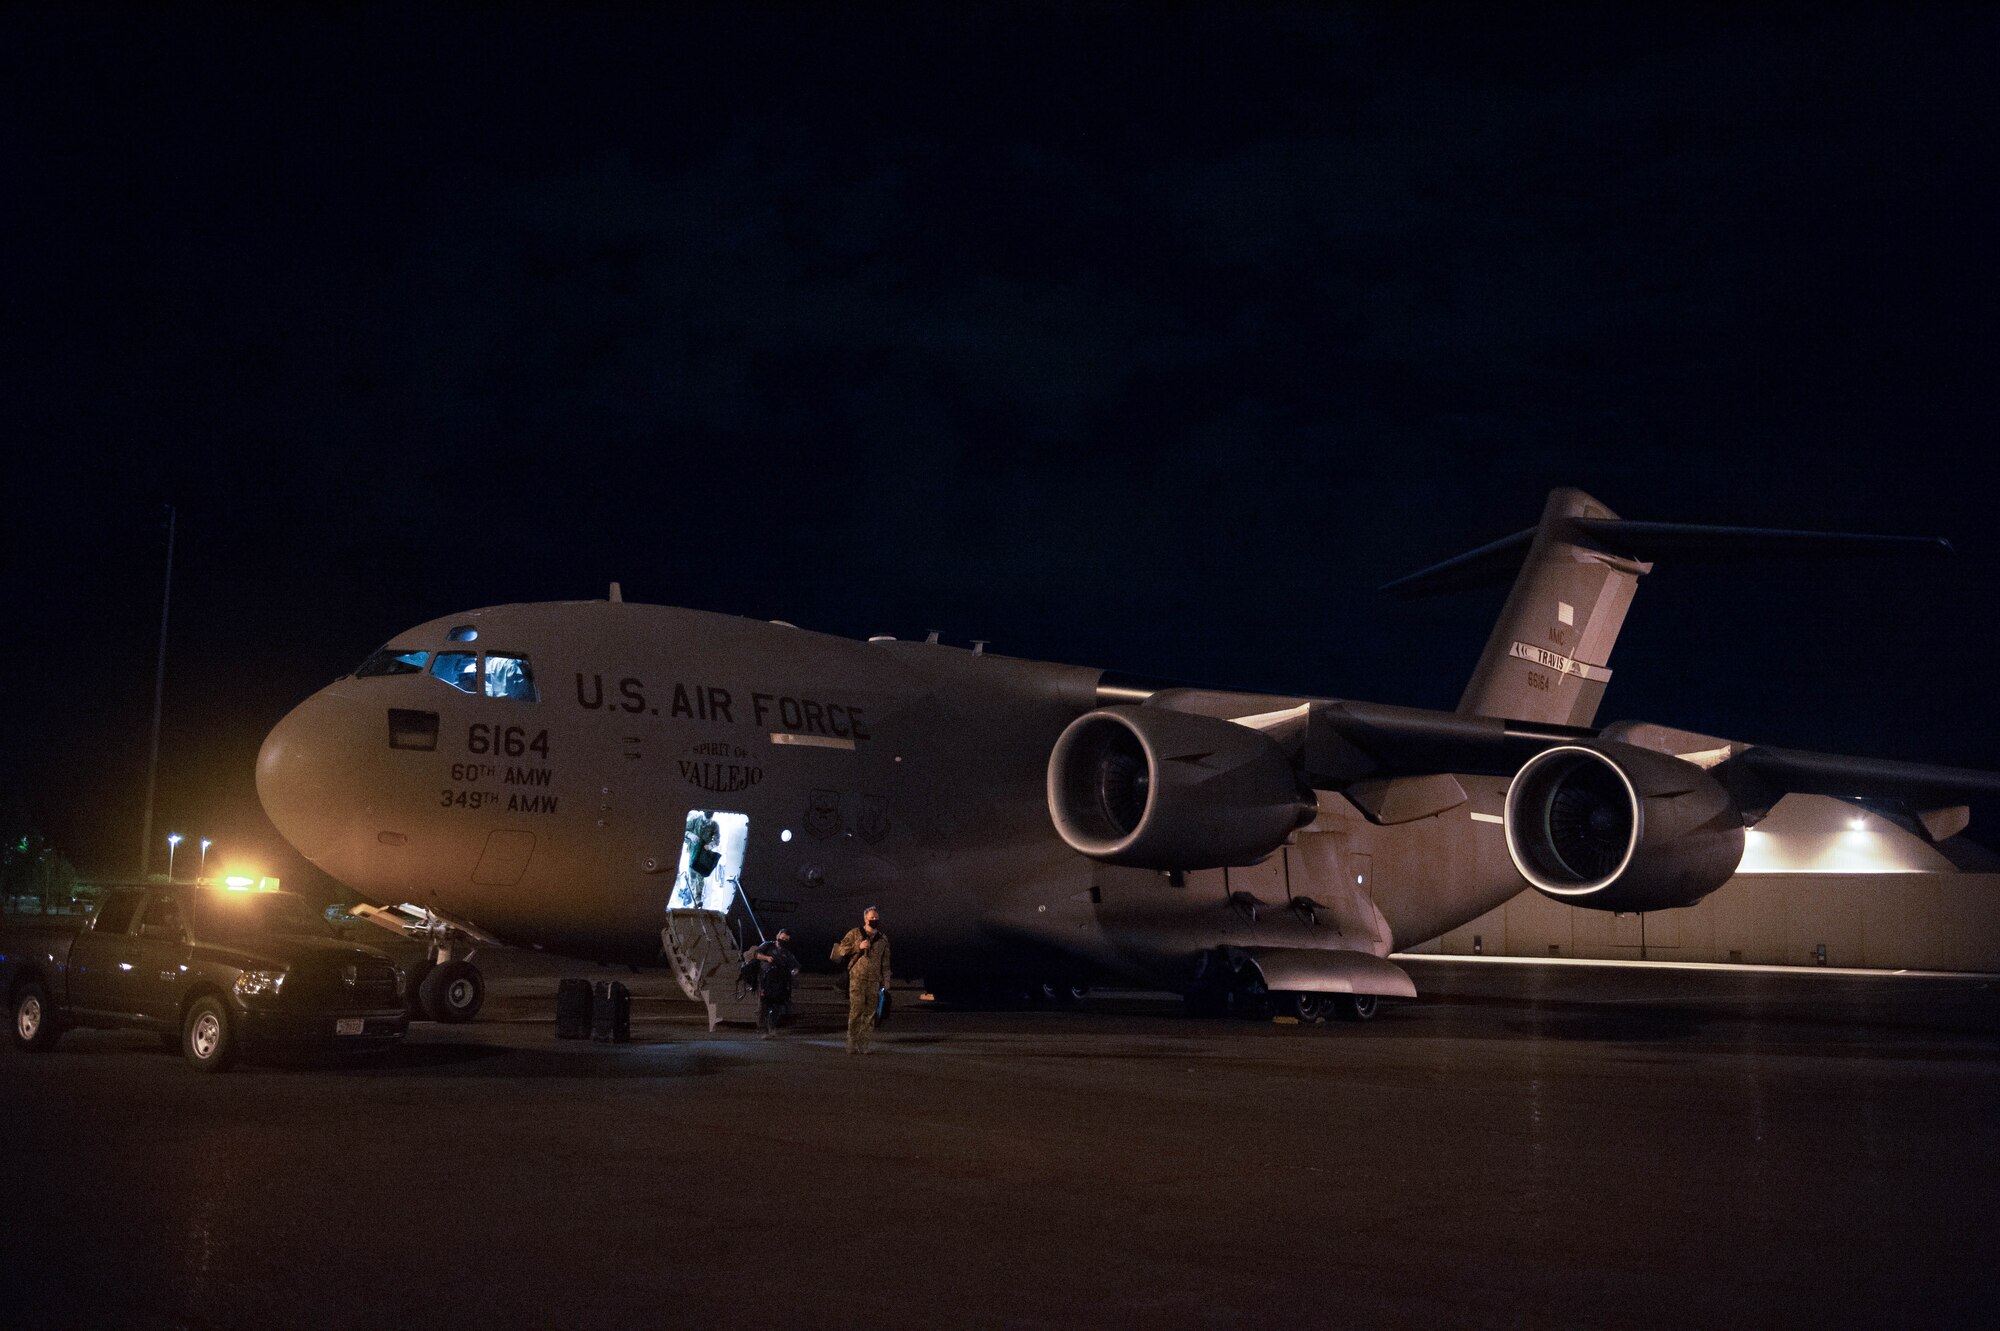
{"x": 1948, "y": 922}
{"x": 1913, "y": 912}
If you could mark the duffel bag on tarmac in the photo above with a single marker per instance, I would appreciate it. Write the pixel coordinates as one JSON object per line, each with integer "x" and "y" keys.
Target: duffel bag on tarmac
{"x": 611, "y": 1012}
{"x": 573, "y": 1002}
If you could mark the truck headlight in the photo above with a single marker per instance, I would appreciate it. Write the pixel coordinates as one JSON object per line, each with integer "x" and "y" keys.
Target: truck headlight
{"x": 260, "y": 982}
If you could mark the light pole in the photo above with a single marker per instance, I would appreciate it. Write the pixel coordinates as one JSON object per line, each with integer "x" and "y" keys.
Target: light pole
{"x": 173, "y": 841}
{"x": 159, "y": 691}
{"x": 205, "y": 844}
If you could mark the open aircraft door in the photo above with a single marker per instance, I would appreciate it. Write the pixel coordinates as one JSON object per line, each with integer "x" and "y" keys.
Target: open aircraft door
{"x": 700, "y": 944}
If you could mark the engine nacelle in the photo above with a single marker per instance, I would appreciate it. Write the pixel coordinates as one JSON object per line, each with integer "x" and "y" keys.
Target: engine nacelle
{"x": 1158, "y": 789}
{"x": 1613, "y": 827}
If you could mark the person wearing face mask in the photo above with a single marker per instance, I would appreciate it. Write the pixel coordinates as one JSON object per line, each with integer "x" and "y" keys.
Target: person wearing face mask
{"x": 774, "y": 980}
{"x": 866, "y": 954}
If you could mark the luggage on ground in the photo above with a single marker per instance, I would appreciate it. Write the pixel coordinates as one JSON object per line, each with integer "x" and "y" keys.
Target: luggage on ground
{"x": 611, "y": 1012}
{"x": 573, "y": 1009}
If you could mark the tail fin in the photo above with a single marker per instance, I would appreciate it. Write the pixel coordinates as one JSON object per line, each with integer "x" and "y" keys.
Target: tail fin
{"x": 1548, "y": 659}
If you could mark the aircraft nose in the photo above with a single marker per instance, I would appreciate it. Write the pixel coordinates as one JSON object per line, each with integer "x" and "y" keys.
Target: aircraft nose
{"x": 305, "y": 772}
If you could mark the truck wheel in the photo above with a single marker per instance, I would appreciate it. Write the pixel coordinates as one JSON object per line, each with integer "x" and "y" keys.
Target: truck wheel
{"x": 36, "y": 1026}
{"x": 453, "y": 992}
{"x": 208, "y": 1035}
{"x": 413, "y": 986}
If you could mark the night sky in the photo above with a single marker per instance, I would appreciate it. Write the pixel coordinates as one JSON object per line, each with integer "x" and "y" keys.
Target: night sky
{"x": 1151, "y": 339}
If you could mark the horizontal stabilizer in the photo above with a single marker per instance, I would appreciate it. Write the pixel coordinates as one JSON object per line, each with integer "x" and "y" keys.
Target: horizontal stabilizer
{"x": 1488, "y": 566}
{"x": 1493, "y": 564}
{"x": 1687, "y": 541}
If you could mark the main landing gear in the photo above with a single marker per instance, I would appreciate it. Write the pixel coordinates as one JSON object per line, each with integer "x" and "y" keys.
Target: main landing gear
{"x": 1311, "y": 1009}
{"x": 1229, "y": 984}
{"x": 1009, "y": 994}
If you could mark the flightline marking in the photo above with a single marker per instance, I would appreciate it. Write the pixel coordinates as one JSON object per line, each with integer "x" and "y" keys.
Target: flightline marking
{"x": 1487, "y": 818}
{"x": 1758, "y": 967}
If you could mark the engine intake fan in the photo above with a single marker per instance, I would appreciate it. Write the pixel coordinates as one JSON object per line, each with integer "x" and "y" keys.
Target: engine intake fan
{"x": 1615, "y": 827}
{"x": 1159, "y": 789}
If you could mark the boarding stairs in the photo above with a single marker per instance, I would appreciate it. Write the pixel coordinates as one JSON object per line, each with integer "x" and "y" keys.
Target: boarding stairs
{"x": 706, "y": 957}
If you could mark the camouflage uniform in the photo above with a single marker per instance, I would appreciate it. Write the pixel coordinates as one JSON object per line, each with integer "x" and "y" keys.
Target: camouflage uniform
{"x": 867, "y": 974}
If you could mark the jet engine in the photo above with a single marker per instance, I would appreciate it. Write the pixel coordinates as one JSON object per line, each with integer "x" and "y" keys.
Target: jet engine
{"x": 1159, "y": 789}
{"x": 1611, "y": 826}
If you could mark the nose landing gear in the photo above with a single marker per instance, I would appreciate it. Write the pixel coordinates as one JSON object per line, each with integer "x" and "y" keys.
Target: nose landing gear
{"x": 452, "y": 992}
{"x": 443, "y": 985}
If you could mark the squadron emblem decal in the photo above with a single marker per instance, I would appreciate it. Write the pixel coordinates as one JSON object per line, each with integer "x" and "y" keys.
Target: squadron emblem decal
{"x": 823, "y": 814}
{"x": 872, "y": 823}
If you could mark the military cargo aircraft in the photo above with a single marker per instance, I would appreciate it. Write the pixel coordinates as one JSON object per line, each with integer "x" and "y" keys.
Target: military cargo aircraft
{"x": 641, "y": 784}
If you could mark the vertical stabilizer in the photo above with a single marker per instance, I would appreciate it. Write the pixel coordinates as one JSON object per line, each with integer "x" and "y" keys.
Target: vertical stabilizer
{"x": 1549, "y": 657}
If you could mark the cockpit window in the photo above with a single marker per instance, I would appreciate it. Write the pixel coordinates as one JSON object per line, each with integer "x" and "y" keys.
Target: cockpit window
{"x": 458, "y": 669}
{"x": 463, "y": 633}
{"x": 392, "y": 661}
{"x": 509, "y": 677}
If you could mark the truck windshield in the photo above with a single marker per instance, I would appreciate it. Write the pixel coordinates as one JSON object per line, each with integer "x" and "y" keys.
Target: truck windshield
{"x": 245, "y": 917}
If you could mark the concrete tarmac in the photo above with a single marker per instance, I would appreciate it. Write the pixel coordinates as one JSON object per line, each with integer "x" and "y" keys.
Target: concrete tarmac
{"x": 1536, "y": 1146}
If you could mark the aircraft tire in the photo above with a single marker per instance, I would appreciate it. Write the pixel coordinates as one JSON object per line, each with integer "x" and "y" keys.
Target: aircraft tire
{"x": 1356, "y": 1007}
{"x": 1062, "y": 994}
{"x": 413, "y": 987}
{"x": 454, "y": 992}
{"x": 36, "y": 1027}
{"x": 1307, "y": 1007}
{"x": 208, "y": 1035}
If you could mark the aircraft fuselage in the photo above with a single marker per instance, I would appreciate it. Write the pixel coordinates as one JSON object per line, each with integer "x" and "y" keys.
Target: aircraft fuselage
{"x": 911, "y": 776}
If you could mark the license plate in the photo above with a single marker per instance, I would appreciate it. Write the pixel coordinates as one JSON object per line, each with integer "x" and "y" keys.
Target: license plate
{"x": 347, "y": 1026}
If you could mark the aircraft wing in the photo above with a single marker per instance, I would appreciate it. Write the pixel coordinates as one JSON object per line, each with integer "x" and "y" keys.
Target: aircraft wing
{"x": 1338, "y": 743}
{"x": 1936, "y": 796}
{"x": 1335, "y": 741}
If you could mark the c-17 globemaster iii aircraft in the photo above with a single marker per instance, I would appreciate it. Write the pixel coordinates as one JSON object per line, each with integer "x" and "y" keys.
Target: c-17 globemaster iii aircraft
{"x": 637, "y": 783}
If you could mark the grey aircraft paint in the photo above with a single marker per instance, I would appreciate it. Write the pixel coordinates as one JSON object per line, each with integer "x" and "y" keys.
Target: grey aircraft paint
{"x": 1023, "y": 819}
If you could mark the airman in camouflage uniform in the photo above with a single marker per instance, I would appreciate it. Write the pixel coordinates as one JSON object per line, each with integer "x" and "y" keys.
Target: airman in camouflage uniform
{"x": 866, "y": 952}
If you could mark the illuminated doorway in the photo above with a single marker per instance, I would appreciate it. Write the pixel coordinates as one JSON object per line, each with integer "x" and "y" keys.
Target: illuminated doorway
{"x": 711, "y": 868}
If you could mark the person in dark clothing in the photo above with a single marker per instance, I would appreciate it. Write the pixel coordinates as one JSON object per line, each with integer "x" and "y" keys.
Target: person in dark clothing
{"x": 774, "y": 981}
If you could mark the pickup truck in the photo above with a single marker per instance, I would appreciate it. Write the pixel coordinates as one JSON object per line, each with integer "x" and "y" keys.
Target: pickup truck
{"x": 212, "y": 970}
